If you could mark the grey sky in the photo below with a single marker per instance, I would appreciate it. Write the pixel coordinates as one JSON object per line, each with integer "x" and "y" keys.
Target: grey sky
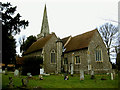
{"x": 65, "y": 17}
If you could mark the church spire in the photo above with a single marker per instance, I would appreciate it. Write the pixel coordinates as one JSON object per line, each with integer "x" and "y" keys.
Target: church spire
{"x": 45, "y": 27}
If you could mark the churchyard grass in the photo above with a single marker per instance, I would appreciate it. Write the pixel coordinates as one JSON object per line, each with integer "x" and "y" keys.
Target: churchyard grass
{"x": 57, "y": 81}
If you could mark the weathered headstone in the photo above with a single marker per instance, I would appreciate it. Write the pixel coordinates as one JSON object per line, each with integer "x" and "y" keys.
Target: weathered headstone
{"x": 107, "y": 73}
{"x": 3, "y": 71}
{"x": 6, "y": 71}
{"x": 81, "y": 75}
{"x": 71, "y": 69}
{"x": 28, "y": 74}
{"x": 42, "y": 71}
{"x": 65, "y": 74}
{"x": 10, "y": 85}
{"x": 16, "y": 72}
{"x": 111, "y": 76}
{"x": 0, "y": 70}
{"x": 92, "y": 75}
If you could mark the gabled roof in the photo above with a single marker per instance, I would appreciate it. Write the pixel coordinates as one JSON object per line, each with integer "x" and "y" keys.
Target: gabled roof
{"x": 80, "y": 41}
{"x": 64, "y": 40}
{"x": 39, "y": 44}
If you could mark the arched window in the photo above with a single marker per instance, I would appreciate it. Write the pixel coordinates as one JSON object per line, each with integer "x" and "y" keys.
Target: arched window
{"x": 98, "y": 54}
{"x": 77, "y": 59}
{"x": 53, "y": 56}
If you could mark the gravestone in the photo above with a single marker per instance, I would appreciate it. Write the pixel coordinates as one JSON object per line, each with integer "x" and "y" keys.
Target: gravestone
{"x": 42, "y": 71}
{"x": 24, "y": 82}
{"x": 71, "y": 69}
{"x": 92, "y": 75}
{"x": 81, "y": 75}
{"x": 107, "y": 73}
{"x": 3, "y": 71}
{"x": 111, "y": 76}
{"x": 16, "y": 72}
{"x": 6, "y": 71}
{"x": 0, "y": 70}
{"x": 10, "y": 85}
{"x": 29, "y": 75}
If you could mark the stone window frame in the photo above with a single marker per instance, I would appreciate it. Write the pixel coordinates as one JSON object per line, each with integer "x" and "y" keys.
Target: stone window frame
{"x": 52, "y": 51}
{"x": 79, "y": 58}
{"x": 64, "y": 60}
{"x": 98, "y": 49}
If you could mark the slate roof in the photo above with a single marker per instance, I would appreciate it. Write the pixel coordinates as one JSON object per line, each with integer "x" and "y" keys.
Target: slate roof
{"x": 80, "y": 41}
{"x": 39, "y": 44}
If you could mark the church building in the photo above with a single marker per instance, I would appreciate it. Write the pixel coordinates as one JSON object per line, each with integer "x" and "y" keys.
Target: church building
{"x": 86, "y": 51}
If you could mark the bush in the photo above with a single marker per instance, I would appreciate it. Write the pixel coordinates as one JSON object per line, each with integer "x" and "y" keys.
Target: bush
{"x": 32, "y": 65}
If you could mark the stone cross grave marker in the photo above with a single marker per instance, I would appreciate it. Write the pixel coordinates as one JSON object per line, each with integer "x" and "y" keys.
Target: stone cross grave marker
{"x": 16, "y": 72}
{"x": 81, "y": 75}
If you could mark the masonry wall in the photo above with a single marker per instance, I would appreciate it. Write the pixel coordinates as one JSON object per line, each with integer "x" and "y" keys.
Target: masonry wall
{"x": 50, "y": 45}
{"x": 99, "y": 67}
{"x": 77, "y": 67}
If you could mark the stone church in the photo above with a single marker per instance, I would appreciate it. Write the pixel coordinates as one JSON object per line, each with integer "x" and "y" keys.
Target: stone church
{"x": 86, "y": 51}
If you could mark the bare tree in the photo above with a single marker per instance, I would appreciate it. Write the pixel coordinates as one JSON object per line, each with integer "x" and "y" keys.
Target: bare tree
{"x": 109, "y": 34}
{"x": 21, "y": 41}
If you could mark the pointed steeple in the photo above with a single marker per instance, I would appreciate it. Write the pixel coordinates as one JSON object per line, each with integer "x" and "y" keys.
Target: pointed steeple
{"x": 45, "y": 27}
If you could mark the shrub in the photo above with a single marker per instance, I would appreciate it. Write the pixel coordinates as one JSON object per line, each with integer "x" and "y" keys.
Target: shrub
{"x": 32, "y": 65}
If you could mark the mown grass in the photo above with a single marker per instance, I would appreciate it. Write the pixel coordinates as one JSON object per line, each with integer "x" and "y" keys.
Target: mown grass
{"x": 57, "y": 81}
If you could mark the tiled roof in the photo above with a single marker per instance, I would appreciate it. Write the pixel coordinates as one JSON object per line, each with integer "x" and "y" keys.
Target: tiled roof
{"x": 80, "y": 41}
{"x": 39, "y": 44}
{"x": 64, "y": 40}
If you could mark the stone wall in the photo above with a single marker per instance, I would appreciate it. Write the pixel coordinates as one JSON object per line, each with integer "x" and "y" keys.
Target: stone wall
{"x": 77, "y": 67}
{"x": 99, "y": 66}
{"x": 50, "y": 45}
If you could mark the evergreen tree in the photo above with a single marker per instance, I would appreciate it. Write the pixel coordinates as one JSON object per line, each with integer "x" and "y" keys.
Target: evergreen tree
{"x": 11, "y": 25}
{"x": 26, "y": 44}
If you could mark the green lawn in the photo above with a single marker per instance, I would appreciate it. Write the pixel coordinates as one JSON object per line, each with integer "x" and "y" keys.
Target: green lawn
{"x": 57, "y": 81}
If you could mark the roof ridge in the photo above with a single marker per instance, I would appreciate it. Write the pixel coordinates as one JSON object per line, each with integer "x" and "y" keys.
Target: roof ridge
{"x": 41, "y": 42}
{"x": 85, "y": 33}
{"x": 80, "y": 41}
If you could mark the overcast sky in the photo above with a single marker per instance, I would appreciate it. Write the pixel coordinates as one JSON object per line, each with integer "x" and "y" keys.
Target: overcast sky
{"x": 65, "y": 17}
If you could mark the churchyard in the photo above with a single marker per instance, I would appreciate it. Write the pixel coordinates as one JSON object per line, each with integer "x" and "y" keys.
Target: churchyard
{"x": 57, "y": 81}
